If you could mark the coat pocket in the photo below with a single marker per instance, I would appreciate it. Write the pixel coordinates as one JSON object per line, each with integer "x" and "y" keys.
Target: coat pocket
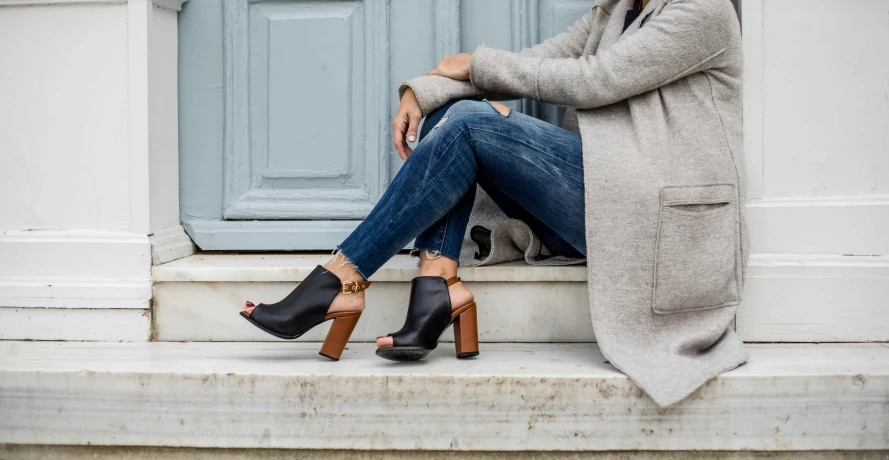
{"x": 698, "y": 247}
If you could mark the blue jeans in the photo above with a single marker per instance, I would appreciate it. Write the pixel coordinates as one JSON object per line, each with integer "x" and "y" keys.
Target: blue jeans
{"x": 531, "y": 169}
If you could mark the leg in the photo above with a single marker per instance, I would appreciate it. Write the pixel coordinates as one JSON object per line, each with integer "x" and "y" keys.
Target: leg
{"x": 527, "y": 166}
{"x": 438, "y": 246}
{"x": 534, "y": 172}
{"x": 441, "y": 242}
{"x": 442, "y": 239}
{"x": 439, "y": 175}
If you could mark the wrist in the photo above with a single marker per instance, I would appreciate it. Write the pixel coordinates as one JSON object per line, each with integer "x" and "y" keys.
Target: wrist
{"x": 473, "y": 66}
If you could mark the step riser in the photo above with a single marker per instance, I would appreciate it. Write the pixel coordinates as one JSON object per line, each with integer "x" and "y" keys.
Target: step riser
{"x": 775, "y": 309}
{"x": 507, "y": 311}
{"x": 787, "y": 298}
{"x": 221, "y": 397}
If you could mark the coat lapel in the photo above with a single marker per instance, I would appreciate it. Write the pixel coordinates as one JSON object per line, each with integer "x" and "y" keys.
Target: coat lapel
{"x": 650, "y": 8}
{"x": 615, "y": 29}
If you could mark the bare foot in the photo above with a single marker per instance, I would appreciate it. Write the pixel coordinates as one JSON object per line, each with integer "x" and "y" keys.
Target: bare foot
{"x": 446, "y": 268}
{"x": 342, "y": 302}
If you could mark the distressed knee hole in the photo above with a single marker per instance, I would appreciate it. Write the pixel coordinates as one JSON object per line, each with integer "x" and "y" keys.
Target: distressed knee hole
{"x": 503, "y": 109}
{"x": 440, "y": 122}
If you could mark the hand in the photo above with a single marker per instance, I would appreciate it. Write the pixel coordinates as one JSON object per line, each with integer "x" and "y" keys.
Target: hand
{"x": 455, "y": 67}
{"x": 404, "y": 126}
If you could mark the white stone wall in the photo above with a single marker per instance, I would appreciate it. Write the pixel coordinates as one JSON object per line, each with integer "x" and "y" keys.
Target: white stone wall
{"x": 817, "y": 145}
{"x": 88, "y": 165}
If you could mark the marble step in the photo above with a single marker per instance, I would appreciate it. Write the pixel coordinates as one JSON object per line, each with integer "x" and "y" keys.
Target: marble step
{"x": 513, "y": 397}
{"x": 787, "y": 298}
{"x": 198, "y": 298}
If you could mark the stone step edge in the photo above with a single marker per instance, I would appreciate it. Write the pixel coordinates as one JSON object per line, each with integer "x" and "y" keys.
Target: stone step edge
{"x": 402, "y": 268}
{"x": 514, "y": 398}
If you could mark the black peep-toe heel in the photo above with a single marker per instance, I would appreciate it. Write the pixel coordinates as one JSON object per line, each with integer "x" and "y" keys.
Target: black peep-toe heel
{"x": 306, "y": 307}
{"x": 429, "y": 313}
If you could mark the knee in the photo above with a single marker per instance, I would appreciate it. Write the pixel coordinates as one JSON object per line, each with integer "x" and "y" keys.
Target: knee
{"x": 454, "y": 107}
{"x": 463, "y": 114}
{"x": 467, "y": 109}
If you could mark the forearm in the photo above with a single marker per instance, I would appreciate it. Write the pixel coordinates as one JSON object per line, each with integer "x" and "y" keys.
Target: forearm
{"x": 688, "y": 36}
{"x": 434, "y": 91}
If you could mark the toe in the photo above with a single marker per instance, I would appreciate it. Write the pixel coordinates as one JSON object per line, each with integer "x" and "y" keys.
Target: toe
{"x": 383, "y": 342}
{"x": 249, "y": 306}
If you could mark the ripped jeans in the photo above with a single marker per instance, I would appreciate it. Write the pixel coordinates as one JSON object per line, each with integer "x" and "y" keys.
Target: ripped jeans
{"x": 531, "y": 169}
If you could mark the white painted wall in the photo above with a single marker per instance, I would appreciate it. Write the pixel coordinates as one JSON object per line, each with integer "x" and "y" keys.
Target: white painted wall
{"x": 826, "y": 93}
{"x": 817, "y": 144}
{"x": 64, "y": 136}
{"x": 88, "y": 165}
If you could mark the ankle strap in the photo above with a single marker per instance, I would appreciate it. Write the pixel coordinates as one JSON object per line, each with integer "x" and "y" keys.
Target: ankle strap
{"x": 354, "y": 287}
{"x": 453, "y": 280}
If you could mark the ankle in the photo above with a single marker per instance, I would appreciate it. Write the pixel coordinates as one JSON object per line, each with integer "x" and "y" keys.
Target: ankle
{"x": 343, "y": 268}
{"x": 438, "y": 272}
{"x": 439, "y": 266}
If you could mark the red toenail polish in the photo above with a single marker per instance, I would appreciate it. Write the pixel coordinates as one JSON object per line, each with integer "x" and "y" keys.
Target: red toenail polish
{"x": 250, "y": 304}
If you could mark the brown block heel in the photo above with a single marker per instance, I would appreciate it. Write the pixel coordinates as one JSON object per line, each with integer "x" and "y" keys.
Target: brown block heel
{"x": 466, "y": 331}
{"x": 339, "y": 333}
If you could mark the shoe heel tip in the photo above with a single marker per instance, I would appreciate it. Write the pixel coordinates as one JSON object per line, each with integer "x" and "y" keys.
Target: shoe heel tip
{"x": 328, "y": 357}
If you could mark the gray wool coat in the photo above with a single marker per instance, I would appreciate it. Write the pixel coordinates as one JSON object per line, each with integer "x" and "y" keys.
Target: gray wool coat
{"x": 659, "y": 111}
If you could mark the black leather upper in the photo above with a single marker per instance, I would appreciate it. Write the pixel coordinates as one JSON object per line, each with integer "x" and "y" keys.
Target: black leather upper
{"x": 428, "y": 314}
{"x": 302, "y": 309}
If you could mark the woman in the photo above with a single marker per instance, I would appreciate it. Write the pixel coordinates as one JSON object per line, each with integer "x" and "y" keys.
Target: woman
{"x": 645, "y": 179}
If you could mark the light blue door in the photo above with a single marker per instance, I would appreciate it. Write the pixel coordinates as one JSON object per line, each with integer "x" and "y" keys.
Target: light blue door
{"x": 285, "y": 106}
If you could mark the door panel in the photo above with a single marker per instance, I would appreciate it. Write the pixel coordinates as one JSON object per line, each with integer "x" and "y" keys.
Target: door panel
{"x": 298, "y": 76}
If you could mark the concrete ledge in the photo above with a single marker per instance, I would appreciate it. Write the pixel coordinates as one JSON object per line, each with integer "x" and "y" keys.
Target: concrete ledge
{"x": 31, "y": 452}
{"x": 541, "y": 397}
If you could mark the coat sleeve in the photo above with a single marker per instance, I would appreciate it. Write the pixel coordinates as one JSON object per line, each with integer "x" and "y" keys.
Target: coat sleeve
{"x": 435, "y": 91}
{"x": 687, "y": 36}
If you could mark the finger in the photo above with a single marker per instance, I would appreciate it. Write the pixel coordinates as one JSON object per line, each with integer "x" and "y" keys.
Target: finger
{"x": 413, "y": 122}
{"x": 398, "y": 138}
{"x": 434, "y": 71}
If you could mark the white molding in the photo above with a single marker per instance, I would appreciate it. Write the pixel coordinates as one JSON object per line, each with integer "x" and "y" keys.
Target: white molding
{"x": 170, "y": 4}
{"x": 69, "y": 236}
{"x": 74, "y": 285}
{"x": 170, "y": 244}
{"x": 73, "y": 292}
{"x": 815, "y": 298}
{"x": 89, "y": 324}
{"x": 81, "y": 254}
{"x": 772, "y": 261}
{"x": 851, "y": 200}
{"x": 819, "y": 225}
